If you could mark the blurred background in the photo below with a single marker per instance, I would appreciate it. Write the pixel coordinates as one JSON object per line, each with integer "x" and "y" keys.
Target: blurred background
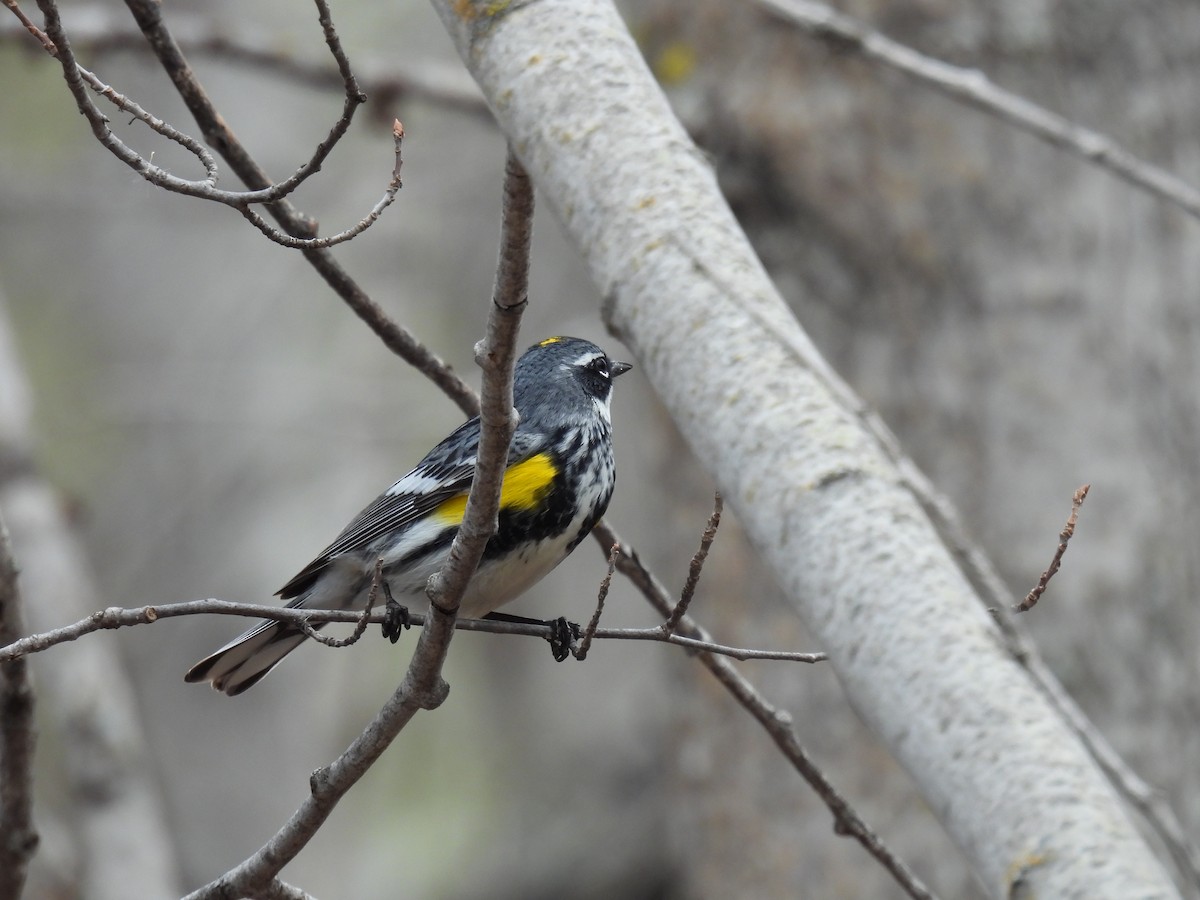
{"x": 212, "y": 416}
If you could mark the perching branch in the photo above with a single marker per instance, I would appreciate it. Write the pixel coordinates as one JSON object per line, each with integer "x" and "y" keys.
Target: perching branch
{"x": 423, "y": 687}
{"x": 18, "y": 737}
{"x": 120, "y": 617}
{"x": 972, "y": 87}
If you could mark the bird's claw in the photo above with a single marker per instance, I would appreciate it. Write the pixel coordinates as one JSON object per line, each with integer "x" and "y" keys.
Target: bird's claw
{"x": 395, "y": 617}
{"x": 562, "y": 635}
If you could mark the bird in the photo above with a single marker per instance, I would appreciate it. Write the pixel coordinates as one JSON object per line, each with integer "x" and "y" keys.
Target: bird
{"x": 558, "y": 480}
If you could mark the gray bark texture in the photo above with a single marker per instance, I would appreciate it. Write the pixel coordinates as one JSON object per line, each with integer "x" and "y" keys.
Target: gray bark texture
{"x": 816, "y": 489}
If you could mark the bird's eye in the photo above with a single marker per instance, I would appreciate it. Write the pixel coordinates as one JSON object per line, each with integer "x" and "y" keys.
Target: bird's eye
{"x": 599, "y": 365}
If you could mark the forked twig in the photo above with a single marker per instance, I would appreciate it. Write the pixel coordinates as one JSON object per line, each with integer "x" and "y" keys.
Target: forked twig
{"x": 585, "y": 643}
{"x": 697, "y": 565}
{"x": 360, "y": 627}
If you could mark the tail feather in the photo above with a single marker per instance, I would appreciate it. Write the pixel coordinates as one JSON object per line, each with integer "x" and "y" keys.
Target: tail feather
{"x": 245, "y": 660}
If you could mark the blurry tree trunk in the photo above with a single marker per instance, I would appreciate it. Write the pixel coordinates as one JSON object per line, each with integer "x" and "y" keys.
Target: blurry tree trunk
{"x": 815, "y": 486}
{"x": 107, "y": 801}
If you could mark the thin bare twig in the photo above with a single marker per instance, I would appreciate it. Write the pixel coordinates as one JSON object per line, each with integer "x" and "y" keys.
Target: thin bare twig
{"x": 243, "y": 201}
{"x": 321, "y": 243}
{"x": 423, "y": 687}
{"x": 1064, "y": 537}
{"x": 18, "y": 738}
{"x": 580, "y": 651}
{"x": 364, "y": 618}
{"x": 221, "y": 137}
{"x": 697, "y": 565}
{"x": 776, "y": 722}
{"x": 30, "y": 26}
{"x": 972, "y": 87}
{"x": 385, "y": 85}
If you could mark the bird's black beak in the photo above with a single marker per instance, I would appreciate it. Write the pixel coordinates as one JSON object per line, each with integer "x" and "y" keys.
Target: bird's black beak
{"x": 618, "y": 368}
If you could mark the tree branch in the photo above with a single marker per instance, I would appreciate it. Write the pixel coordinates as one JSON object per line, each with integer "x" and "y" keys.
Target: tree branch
{"x": 824, "y": 504}
{"x": 775, "y": 721}
{"x": 18, "y": 738}
{"x": 1064, "y": 538}
{"x": 221, "y": 137}
{"x": 693, "y": 579}
{"x": 972, "y": 87}
{"x": 423, "y": 687}
{"x": 243, "y": 201}
{"x": 121, "y": 617}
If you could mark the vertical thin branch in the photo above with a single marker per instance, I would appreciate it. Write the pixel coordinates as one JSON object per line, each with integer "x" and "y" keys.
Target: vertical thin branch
{"x": 18, "y": 737}
{"x": 496, "y": 355}
{"x": 589, "y": 633}
{"x": 423, "y": 687}
{"x": 1064, "y": 538}
{"x": 697, "y": 566}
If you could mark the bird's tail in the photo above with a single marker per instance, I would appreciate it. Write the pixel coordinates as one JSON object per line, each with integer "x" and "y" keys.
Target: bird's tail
{"x": 245, "y": 660}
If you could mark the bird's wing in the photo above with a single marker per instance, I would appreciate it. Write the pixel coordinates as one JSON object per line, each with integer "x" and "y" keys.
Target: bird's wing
{"x": 446, "y": 471}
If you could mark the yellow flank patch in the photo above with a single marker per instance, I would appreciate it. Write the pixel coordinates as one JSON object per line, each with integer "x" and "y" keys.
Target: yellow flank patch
{"x": 524, "y": 487}
{"x": 548, "y": 341}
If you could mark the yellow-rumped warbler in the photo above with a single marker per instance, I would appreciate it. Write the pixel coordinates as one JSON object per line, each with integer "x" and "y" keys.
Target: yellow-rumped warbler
{"x": 558, "y": 482}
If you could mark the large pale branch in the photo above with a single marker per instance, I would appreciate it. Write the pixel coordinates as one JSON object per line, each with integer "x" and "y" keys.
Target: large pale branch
{"x": 817, "y": 488}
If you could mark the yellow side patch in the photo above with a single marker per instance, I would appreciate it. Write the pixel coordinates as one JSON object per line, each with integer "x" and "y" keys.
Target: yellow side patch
{"x": 524, "y": 487}
{"x": 548, "y": 341}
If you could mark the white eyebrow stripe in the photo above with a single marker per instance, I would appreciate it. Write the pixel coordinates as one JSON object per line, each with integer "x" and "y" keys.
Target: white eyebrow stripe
{"x": 589, "y": 357}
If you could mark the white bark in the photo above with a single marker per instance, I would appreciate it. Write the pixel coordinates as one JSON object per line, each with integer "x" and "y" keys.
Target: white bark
{"x": 819, "y": 494}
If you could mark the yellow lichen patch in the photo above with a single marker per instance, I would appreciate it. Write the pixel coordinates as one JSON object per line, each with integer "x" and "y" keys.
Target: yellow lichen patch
{"x": 525, "y": 486}
{"x": 646, "y": 202}
{"x": 1014, "y": 878}
{"x": 675, "y": 63}
{"x": 469, "y": 11}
